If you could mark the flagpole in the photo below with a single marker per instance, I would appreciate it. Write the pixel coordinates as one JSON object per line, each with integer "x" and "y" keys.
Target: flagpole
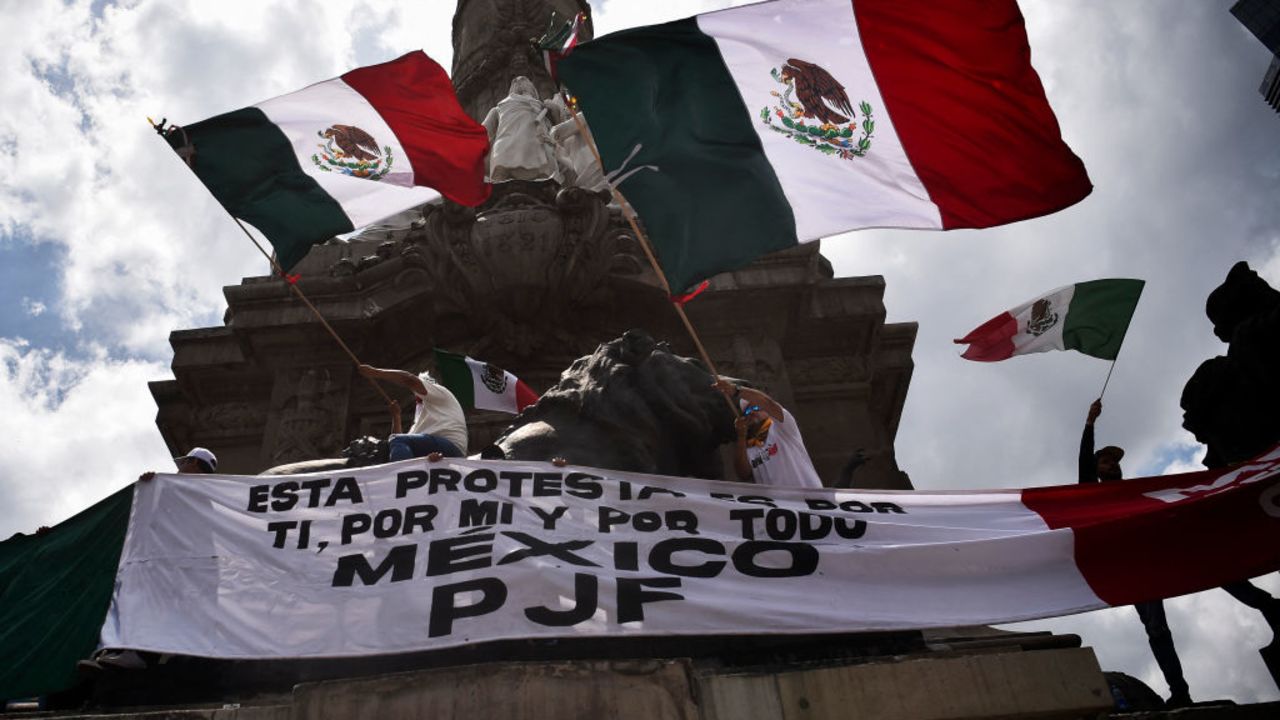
{"x": 1112, "y": 368}
{"x": 392, "y": 405}
{"x": 644, "y": 241}
{"x": 1108, "y": 380}
{"x": 293, "y": 285}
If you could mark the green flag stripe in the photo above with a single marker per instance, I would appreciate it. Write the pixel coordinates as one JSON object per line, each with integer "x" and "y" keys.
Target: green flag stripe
{"x": 1099, "y": 316}
{"x": 249, "y": 166}
{"x": 714, "y": 202}
{"x": 455, "y": 374}
{"x": 54, "y": 593}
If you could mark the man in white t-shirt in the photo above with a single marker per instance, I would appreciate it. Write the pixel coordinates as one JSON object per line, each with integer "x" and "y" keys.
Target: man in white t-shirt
{"x": 769, "y": 449}
{"x": 439, "y": 424}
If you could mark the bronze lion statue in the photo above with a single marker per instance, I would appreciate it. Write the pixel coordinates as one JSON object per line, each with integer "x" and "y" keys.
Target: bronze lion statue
{"x": 631, "y": 405}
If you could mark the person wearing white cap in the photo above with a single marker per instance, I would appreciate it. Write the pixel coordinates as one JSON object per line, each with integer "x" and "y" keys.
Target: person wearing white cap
{"x": 197, "y": 460}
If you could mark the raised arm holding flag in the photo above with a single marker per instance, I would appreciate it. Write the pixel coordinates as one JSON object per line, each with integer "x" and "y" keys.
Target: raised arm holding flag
{"x": 1089, "y": 317}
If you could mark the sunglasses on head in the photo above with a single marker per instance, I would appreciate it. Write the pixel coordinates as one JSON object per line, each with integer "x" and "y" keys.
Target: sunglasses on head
{"x": 750, "y": 409}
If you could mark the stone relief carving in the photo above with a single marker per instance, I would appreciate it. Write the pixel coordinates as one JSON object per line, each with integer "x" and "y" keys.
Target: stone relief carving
{"x": 827, "y": 370}
{"x": 309, "y": 423}
{"x": 530, "y": 267}
{"x": 231, "y": 416}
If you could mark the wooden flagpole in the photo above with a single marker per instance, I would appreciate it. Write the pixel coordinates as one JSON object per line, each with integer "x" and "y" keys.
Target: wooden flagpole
{"x": 186, "y": 156}
{"x": 630, "y": 215}
{"x": 394, "y": 406}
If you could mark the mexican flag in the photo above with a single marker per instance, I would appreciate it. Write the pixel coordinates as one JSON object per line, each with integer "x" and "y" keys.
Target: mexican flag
{"x": 340, "y": 154}
{"x": 482, "y": 386}
{"x": 559, "y": 41}
{"x": 1091, "y": 317}
{"x": 741, "y": 132}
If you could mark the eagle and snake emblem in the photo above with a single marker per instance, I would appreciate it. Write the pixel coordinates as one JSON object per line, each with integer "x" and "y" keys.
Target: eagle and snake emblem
{"x": 820, "y": 114}
{"x": 494, "y": 378}
{"x": 1042, "y": 317}
{"x": 351, "y": 151}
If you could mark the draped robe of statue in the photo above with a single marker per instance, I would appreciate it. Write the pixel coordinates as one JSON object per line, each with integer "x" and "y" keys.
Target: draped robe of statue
{"x": 577, "y": 159}
{"x": 519, "y": 128}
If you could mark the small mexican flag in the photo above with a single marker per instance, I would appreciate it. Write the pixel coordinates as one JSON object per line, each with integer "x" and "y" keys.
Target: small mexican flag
{"x": 340, "y": 154}
{"x": 559, "y": 41}
{"x": 482, "y": 386}
{"x": 1091, "y": 317}
{"x": 741, "y": 132}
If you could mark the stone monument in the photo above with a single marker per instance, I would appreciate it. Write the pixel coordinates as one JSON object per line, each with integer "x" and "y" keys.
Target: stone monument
{"x": 536, "y": 277}
{"x": 539, "y": 275}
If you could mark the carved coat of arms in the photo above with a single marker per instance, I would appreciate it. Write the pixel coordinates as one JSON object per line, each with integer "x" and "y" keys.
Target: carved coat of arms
{"x": 351, "y": 151}
{"x": 820, "y": 115}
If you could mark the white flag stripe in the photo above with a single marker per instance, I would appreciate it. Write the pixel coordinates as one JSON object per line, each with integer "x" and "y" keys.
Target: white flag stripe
{"x": 1027, "y": 341}
{"x": 304, "y": 114}
{"x": 878, "y": 190}
{"x": 485, "y": 397}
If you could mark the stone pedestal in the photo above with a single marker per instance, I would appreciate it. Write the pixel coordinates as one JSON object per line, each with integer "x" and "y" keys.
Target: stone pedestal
{"x": 528, "y": 286}
{"x": 952, "y": 675}
{"x": 533, "y": 279}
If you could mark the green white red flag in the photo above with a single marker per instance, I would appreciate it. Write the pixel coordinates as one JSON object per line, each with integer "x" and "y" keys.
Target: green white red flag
{"x": 480, "y": 385}
{"x": 340, "y": 154}
{"x": 559, "y": 41}
{"x": 742, "y": 132}
{"x": 1090, "y": 317}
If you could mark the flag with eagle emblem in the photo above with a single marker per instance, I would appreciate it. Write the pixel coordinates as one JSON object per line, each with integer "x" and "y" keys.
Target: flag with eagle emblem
{"x": 340, "y": 154}
{"x": 1090, "y": 317}
{"x": 482, "y": 386}
{"x": 740, "y": 132}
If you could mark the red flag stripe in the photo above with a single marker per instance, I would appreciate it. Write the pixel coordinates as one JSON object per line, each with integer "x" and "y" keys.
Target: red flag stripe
{"x": 992, "y": 340}
{"x": 446, "y": 148}
{"x": 956, "y": 76}
{"x": 525, "y": 396}
{"x": 1157, "y": 537}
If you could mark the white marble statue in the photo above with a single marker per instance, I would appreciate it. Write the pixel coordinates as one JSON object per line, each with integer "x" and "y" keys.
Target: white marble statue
{"x": 578, "y": 161}
{"x": 521, "y": 147}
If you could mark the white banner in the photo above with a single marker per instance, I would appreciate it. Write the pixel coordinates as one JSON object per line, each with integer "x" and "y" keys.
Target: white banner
{"x": 415, "y": 556}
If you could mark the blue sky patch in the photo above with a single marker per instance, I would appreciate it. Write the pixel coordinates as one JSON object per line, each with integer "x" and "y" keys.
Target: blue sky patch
{"x": 30, "y": 279}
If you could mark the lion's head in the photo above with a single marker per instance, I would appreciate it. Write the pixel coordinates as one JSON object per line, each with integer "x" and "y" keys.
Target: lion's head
{"x": 631, "y": 405}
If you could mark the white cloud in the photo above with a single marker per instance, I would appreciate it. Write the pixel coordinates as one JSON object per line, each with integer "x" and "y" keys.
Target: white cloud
{"x": 1185, "y": 456}
{"x": 74, "y": 430}
{"x": 34, "y": 308}
{"x": 1216, "y": 637}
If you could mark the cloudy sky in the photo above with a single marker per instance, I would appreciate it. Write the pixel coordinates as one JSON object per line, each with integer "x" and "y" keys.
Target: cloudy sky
{"x": 107, "y": 243}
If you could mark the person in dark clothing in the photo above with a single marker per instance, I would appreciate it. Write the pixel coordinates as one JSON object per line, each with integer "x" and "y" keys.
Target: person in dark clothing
{"x": 1104, "y": 465}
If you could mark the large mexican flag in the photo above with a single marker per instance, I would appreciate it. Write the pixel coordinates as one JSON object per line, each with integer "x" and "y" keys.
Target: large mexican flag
{"x": 340, "y": 154}
{"x": 745, "y": 131}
